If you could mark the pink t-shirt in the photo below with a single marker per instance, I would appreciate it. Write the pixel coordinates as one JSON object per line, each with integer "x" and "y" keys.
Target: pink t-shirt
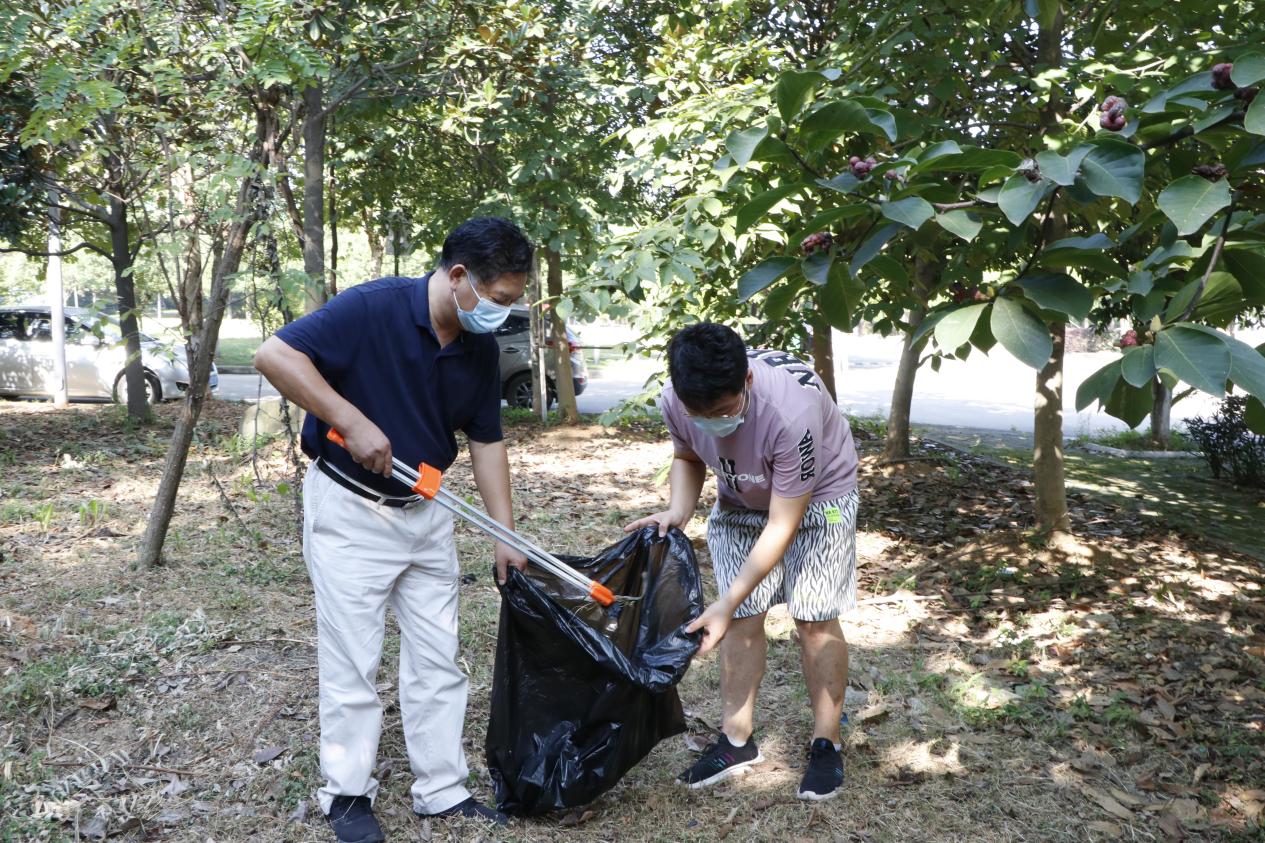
{"x": 793, "y": 439}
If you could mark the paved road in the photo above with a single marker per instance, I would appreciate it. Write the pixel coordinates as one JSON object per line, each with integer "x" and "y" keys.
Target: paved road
{"x": 992, "y": 392}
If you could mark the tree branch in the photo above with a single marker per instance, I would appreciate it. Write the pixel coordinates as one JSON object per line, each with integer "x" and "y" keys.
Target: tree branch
{"x": 1045, "y": 224}
{"x": 35, "y": 253}
{"x": 374, "y": 70}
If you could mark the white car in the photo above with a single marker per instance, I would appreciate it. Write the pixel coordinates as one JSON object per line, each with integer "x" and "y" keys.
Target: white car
{"x": 95, "y": 357}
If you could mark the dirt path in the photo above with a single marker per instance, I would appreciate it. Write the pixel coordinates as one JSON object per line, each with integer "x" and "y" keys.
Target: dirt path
{"x": 1000, "y": 691}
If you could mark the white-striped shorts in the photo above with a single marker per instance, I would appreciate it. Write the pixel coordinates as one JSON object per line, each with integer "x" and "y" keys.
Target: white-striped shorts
{"x": 816, "y": 579}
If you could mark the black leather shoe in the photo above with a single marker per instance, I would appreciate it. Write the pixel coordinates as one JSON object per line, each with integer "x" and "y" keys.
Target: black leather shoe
{"x": 352, "y": 819}
{"x": 470, "y": 809}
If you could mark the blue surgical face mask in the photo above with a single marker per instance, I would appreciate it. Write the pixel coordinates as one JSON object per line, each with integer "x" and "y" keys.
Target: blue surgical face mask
{"x": 717, "y": 427}
{"x": 487, "y": 315}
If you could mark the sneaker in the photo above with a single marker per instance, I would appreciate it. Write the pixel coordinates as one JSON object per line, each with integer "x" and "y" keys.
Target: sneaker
{"x": 720, "y": 761}
{"x": 470, "y": 809}
{"x": 352, "y": 819}
{"x": 825, "y": 772}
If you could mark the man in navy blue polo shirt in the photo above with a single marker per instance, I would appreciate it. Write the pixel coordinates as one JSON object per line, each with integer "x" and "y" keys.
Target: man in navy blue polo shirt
{"x": 398, "y": 363}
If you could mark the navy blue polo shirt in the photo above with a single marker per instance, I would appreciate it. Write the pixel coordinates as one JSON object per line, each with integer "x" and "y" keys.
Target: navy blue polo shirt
{"x": 375, "y": 346}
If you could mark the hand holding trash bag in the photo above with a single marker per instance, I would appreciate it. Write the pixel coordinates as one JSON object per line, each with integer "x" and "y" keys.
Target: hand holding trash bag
{"x": 714, "y": 622}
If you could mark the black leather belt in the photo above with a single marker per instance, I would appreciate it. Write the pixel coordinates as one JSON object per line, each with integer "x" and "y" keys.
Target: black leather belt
{"x": 383, "y": 500}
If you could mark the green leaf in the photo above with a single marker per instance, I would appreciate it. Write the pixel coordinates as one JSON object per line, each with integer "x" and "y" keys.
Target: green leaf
{"x": 1190, "y": 201}
{"x": 1094, "y": 241}
{"x": 1254, "y": 120}
{"x": 954, "y": 329}
{"x": 845, "y": 182}
{"x": 1249, "y": 69}
{"x": 912, "y": 211}
{"x": 1021, "y": 333}
{"x": 883, "y": 121}
{"x": 837, "y": 117}
{"x": 1058, "y": 292}
{"x": 1199, "y": 82}
{"x": 1130, "y": 404}
{"x": 742, "y": 144}
{"x": 1254, "y": 416}
{"x": 1201, "y": 360}
{"x": 872, "y": 247}
{"x": 565, "y": 308}
{"x": 1222, "y": 300}
{"x": 971, "y": 159}
{"x": 928, "y": 325}
{"x": 756, "y": 279}
{"x": 825, "y": 218}
{"x": 1247, "y": 364}
{"x": 779, "y": 299}
{"x": 792, "y": 91}
{"x": 1249, "y": 268}
{"x": 840, "y": 300}
{"x": 752, "y": 212}
{"x": 1115, "y": 168}
{"x": 816, "y": 267}
{"x": 1062, "y": 169}
{"x": 1098, "y": 386}
{"x": 1020, "y": 197}
{"x": 962, "y": 223}
{"x": 937, "y": 150}
{"x": 1138, "y": 365}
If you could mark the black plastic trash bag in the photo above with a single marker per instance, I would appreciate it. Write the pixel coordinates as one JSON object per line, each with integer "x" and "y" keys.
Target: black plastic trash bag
{"x": 581, "y": 693}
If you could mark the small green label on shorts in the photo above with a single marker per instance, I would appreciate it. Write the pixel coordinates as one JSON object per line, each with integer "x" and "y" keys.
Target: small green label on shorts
{"x": 833, "y": 515}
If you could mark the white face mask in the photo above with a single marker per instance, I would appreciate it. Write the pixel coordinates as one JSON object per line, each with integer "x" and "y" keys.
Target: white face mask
{"x": 487, "y": 315}
{"x": 722, "y": 426}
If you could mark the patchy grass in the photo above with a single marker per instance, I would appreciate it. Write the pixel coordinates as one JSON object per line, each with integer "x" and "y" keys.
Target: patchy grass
{"x": 237, "y": 351}
{"x": 1136, "y": 440}
{"x": 1000, "y": 690}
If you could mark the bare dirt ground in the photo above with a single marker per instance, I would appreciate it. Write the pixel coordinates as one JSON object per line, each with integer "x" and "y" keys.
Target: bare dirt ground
{"x": 1000, "y": 690}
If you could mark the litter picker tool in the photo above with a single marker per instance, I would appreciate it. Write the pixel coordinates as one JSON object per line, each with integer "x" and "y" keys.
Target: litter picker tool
{"x": 425, "y": 480}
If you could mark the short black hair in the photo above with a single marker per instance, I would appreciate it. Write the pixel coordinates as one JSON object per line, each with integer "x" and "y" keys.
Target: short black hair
{"x": 707, "y": 362}
{"x": 488, "y": 247}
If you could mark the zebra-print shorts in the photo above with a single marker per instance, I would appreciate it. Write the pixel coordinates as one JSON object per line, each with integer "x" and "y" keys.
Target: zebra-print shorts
{"x": 816, "y": 579}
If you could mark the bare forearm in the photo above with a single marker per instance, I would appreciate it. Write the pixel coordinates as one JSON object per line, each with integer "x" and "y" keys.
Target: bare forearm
{"x": 686, "y": 478}
{"x": 491, "y": 467}
{"x": 297, "y": 379}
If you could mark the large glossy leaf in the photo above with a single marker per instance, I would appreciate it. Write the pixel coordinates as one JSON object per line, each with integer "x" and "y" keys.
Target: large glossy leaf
{"x": 1094, "y": 241}
{"x": 1247, "y": 364}
{"x": 845, "y": 182}
{"x": 1020, "y": 197}
{"x": 1021, "y": 333}
{"x": 940, "y": 149}
{"x": 1138, "y": 365}
{"x": 912, "y": 211}
{"x": 1248, "y": 267}
{"x": 779, "y": 300}
{"x": 872, "y": 246}
{"x": 752, "y": 212}
{"x": 840, "y": 300}
{"x": 1130, "y": 404}
{"x": 1249, "y": 69}
{"x": 1058, "y": 292}
{"x": 883, "y": 121}
{"x": 1062, "y": 169}
{"x": 816, "y": 267}
{"x": 954, "y": 329}
{"x": 1199, "y": 82}
{"x": 1098, "y": 386}
{"x": 792, "y": 91}
{"x": 962, "y": 223}
{"x": 1114, "y": 168}
{"x": 971, "y": 159}
{"x": 761, "y": 276}
{"x": 836, "y": 118}
{"x": 742, "y": 143}
{"x": 1222, "y": 300}
{"x": 1190, "y": 201}
{"x": 1254, "y": 120}
{"x": 1199, "y": 359}
{"x": 929, "y": 325}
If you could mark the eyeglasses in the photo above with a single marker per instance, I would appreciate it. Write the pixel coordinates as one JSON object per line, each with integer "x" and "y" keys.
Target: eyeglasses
{"x": 743, "y": 401}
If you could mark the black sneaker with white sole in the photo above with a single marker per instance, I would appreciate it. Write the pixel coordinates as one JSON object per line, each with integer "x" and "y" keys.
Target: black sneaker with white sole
{"x": 720, "y": 761}
{"x": 825, "y": 772}
{"x": 470, "y": 809}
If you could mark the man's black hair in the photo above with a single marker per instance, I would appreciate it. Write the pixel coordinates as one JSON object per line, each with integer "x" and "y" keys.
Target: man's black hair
{"x": 488, "y": 247}
{"x": 707, "y": 362}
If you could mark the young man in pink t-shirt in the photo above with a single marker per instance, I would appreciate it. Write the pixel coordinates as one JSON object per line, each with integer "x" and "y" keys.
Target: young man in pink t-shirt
{"x": 783, "y": 531}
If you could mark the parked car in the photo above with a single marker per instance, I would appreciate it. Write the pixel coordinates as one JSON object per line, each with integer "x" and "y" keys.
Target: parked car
{"x": 95, "y": 357}
{"x": 514, "y": 337}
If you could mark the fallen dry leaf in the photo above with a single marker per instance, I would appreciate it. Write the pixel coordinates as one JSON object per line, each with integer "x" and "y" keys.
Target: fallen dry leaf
{"x": 578, "y": 818}
{"x": 1108, "y": 802}
{"x": 267, "y": 754}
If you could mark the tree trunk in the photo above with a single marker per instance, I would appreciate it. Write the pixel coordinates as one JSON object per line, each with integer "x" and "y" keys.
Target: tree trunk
{"x": 1161, "y": 414}
{"x": 377, "y": 246}
{"x": 1047, "y": 453}
{"x": 333, "y": 233}
{"x": 246, "y": 214}
{"x": 125, "y": 290}
{"x": 539, "y": 391}
{"x": 314, "y": 197}
{"x": 56, "y": 303}
{"x": 562, "y": 375}
{"x": 824, "y": 353}
{"x": 896, "y": 446}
